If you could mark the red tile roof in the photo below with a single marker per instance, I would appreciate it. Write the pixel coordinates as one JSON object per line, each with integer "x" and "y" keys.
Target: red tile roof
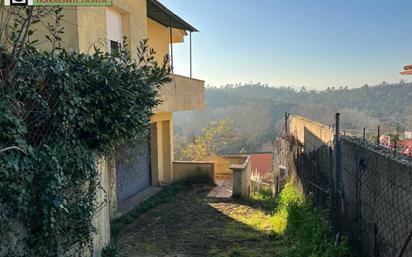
{"x": 407, "y": 142}
{"x": 407, "y": 70}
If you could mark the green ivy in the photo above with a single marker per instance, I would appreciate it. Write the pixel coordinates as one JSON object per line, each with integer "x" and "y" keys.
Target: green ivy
{"x": 62, "y": 110}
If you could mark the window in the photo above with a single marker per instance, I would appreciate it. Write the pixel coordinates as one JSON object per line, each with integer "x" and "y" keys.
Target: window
{"x": 114, "y": 30}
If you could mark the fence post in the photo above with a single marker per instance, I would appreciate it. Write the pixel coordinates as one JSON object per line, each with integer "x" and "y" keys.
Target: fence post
{"x": 364, "y": 133}
{"x": 286, "y": 122}
{"x": 379, "y": 135}
{"x": 338, "y": 175}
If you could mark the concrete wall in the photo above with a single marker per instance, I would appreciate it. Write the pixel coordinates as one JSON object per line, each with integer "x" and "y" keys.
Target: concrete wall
{"x": 224, "y": 162}
{"x": 377, "y": 187}
{"x": 92, "y": 24}
{"x": 162, "y": 148}
{"x": 241, "y": 178}
{"x": 191, "y": 170}
{"x": 182, "y": 94}
{"x": 102, "y": 216}
{"x": 70, "y": 38}
{"x": 159, "y": 38}
{"x": 300, "y": 127}
{"x": 85, "y": 27}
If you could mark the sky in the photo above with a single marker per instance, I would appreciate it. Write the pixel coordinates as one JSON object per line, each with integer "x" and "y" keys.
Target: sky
{"x": 311, "y": 43}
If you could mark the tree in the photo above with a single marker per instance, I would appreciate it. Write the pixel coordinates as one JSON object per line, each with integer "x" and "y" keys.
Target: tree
{"x": 213, "y": 139}
{"x": 408, "y": 117}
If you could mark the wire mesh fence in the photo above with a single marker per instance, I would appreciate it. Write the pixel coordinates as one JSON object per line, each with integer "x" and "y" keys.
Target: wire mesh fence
{"x": 373, "y": 202}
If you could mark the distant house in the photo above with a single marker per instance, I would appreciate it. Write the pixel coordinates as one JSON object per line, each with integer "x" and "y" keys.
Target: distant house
{"x": 408, "y": 134}
{"x": 407, "y": 70}
{"x": 405, "y": 147}
{"x": 262, "y": 164}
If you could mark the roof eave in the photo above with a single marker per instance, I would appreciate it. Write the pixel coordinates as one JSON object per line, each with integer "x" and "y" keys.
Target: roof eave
{"x": 176, "y": 21}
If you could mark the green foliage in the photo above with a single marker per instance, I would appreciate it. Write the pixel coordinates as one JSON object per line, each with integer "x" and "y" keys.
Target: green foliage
{"x": 307, "y": 229}
{"x": 288, "y": 197}
{"x": 311, "y": 234}
{"x": 218, "y": 135}
{"x": 112, "y": 250}
{"x": 265, "y": 199}
{"x": 64, "y": 109}
{"x": 257, "y": 111}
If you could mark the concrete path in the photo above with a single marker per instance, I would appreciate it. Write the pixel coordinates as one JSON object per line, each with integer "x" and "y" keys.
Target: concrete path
{"x": 223, "y": 189}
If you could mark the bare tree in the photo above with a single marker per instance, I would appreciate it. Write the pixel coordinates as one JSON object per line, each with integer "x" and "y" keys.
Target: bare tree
{"x": 16, "y": 27}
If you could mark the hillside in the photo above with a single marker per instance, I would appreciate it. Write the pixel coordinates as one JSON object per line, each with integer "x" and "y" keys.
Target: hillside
{"x": 257, "y": 110}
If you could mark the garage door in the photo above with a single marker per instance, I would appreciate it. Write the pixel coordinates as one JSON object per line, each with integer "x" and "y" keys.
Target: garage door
{"x": 133, "y": 169}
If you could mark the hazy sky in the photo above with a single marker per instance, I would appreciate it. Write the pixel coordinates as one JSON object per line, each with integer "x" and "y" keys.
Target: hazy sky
{"x": 312, "y": 43}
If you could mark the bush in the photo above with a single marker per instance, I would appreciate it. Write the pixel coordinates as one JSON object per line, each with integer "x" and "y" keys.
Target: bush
{"x": 307, "y": 229}
{"x": 62, "y": 110}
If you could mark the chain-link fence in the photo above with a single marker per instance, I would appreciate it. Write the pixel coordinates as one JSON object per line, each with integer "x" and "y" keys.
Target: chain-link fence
{"x": 372, "y": 204}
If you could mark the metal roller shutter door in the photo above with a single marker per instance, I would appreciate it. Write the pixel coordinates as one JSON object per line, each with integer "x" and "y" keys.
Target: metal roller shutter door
{"x": 133, "y": 169}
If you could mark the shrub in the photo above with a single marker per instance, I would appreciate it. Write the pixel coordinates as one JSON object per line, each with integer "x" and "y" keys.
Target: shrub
{"x": 62, "y": 110}
{"x": 306, "y": 228}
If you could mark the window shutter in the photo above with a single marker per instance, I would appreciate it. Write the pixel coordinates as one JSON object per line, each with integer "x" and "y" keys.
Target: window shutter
{"x": 114, "y": 26}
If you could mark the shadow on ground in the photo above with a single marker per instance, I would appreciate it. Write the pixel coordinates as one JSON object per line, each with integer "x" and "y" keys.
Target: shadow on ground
{"x": 195, "y": 225}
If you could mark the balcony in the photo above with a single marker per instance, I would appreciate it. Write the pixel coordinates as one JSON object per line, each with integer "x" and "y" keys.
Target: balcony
{"x": 181, "y": 94}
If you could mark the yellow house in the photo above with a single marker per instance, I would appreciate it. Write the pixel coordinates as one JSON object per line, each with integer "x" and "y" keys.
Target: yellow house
{"x": 150, "y": 163}
{"x": 136, "y": 20}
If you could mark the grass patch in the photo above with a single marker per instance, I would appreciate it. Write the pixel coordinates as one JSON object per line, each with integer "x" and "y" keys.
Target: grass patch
{"x": 312, "y": 235}
{"x": 265, "y": 200}
{"x": 235, "y": 251}
{"x": 286, "y": 226}
{"x": 166, "y": 195}
{"x": 306, "y": 229}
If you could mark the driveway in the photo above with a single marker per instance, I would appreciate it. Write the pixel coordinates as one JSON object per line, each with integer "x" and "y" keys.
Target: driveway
{"x": 193, "y": 224}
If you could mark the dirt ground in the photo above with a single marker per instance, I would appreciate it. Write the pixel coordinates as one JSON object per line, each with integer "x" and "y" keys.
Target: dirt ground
{"x": 194, "y": 225}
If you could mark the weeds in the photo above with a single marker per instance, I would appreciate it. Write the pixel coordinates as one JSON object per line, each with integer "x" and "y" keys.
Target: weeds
{"x": 111, "y": 250}
{"x": 305, "y": 228}
{"x": 264, "y": 198}
{"x": 164, "y": 196}
{"x": 287, "y": 225}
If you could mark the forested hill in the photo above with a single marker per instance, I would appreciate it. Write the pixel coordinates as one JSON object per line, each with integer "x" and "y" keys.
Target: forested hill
{"x": 381, "y": 101}
{"x": 257, "y": 110}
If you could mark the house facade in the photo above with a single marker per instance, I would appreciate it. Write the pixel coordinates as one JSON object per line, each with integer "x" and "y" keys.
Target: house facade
{"x": 148, "y": 162}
